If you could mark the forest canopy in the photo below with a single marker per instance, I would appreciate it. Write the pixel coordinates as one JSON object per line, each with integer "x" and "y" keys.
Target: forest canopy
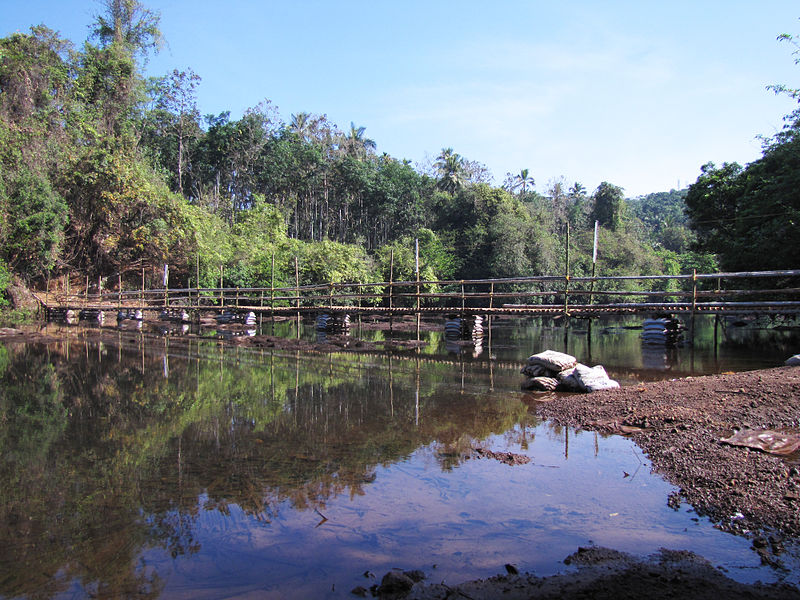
{"x": 106, "y": 172}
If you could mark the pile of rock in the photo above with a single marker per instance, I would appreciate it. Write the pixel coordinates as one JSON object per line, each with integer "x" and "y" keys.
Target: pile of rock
{"x": 555, "y": 371}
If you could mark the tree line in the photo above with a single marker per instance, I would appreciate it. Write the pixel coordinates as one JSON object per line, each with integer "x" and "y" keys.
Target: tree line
{"x": 106, "y": 172}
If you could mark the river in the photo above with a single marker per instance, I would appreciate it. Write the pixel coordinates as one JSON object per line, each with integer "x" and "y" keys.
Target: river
{"x": 142, "y": 465}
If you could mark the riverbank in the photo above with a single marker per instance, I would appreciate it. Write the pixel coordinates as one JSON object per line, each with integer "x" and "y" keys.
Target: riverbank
{"x": 679, "y": 425}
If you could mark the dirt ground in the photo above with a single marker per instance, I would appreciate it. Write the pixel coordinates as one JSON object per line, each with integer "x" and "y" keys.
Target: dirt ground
{"x": 679, "y": 425}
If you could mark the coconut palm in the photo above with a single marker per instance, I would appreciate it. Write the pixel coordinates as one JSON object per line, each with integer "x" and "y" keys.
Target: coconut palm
{"x": 355, "y": 144}
{"x": 577, "y": 190}
{"x": 450, "y": 169}
{"x": 522, "y": 181}
{"x": 301, "y": 125}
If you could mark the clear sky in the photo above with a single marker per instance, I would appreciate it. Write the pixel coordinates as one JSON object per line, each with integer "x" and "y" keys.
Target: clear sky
{"x": 637, "y": 93}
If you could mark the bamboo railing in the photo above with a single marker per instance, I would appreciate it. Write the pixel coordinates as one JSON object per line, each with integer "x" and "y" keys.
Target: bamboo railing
{"x": 767, "y": 292}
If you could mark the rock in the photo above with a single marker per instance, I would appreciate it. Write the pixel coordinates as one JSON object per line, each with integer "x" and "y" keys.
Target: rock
{"x": 555, "y": 361}
{"x": 20, "y": 296}
{"x": 416, "y": 575}
{"x": 794, "y": 361}
{"x": 395, "y": 583}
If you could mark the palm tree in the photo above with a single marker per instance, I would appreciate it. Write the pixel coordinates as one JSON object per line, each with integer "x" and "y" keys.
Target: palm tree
{"x": 521, "y": 182}
{"x": 450, "y": 168}
{"x": 301, "y": 125}
{"x": 355, "y": 144}
{"x": 577, "y": 190}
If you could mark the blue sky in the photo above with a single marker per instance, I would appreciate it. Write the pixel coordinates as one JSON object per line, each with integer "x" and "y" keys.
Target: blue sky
{"x": 637, "y": 93}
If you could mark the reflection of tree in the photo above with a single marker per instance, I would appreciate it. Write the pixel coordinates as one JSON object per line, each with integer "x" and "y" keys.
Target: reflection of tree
{"x": 60, "y": 521}
{"x": 102, "y": 459}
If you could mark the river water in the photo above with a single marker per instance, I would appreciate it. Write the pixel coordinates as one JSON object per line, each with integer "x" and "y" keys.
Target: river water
{"x": 135, "y": 464}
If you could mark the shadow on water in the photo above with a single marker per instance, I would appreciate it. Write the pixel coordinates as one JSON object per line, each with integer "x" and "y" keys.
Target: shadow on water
{"x": 141, "y": 466}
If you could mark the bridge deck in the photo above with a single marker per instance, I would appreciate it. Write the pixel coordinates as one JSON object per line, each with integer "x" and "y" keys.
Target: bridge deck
{"x": 577, "y": 310}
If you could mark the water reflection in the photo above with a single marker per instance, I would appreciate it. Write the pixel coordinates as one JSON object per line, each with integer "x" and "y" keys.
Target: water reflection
{"x": 102, "y": 460}
{"x": 464, "y": 335}
{"x": 134, "y": 466}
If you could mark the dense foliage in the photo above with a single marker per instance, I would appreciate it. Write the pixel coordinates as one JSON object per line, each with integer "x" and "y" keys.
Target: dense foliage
{"x": 750, "y": 216}
{"x": 104, "y": 172}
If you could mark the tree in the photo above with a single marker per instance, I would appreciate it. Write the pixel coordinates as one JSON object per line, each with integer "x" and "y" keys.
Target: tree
{"x": 578, "y": 207}
{"x": 609, "y": 206}
{"x": 173, "y": 123}
{"x": 37, "y": 215}
{"x": 34, "y": 76}
{"x": 712, "y": 203}
{"x": 301, "y": 125}
{"x": 521, "y": 183}
{"x": 751, "y": 217}
{"x": 450, "y": 170}
{"x": 127, "y": 23}
{"x": 355, "y": 144}
{"x": 556, "y": 192}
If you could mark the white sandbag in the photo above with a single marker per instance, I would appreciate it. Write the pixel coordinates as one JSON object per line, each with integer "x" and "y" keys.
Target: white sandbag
{"x": 794, "y": 361}
{"x": 555, "y": 361}
{"x": 593, "y": 379}
{"x": 567, "y": 382}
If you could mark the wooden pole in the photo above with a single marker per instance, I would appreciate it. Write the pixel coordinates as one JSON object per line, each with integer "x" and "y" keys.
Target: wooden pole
{"x": 694, "y": 302}
{"x": 297, "y": 292}
{"x": 416, "y": 264}
{"x": 272, "y": 288}
{"x": 119, "y": 291}
{"x": 391, "y": 278}
{"x": 297, "y": 284}
{"x": 566, "y": 276}
{"x": 594, "y": 263}
{"x": 197, "y": 272}
{"x": 221, "y": 280}
{"x": 141, "y": 296}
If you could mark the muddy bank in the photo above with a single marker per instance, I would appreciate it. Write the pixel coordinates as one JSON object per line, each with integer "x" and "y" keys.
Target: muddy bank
{"x": 607, "y": 574}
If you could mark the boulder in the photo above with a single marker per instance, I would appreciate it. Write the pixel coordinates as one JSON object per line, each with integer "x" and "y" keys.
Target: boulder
{"x": 395, "y": 583}
{"x": 20, "y": 296}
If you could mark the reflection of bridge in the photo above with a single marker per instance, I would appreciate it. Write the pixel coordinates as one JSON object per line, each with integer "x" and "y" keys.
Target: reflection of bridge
{"x": 762, "y": 292}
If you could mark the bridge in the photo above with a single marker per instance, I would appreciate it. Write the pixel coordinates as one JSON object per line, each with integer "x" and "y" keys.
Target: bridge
{"x": 729, "y": 293}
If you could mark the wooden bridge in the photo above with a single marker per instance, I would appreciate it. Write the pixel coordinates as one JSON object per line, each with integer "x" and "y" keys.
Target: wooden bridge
{"x": 761, "y": 292}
